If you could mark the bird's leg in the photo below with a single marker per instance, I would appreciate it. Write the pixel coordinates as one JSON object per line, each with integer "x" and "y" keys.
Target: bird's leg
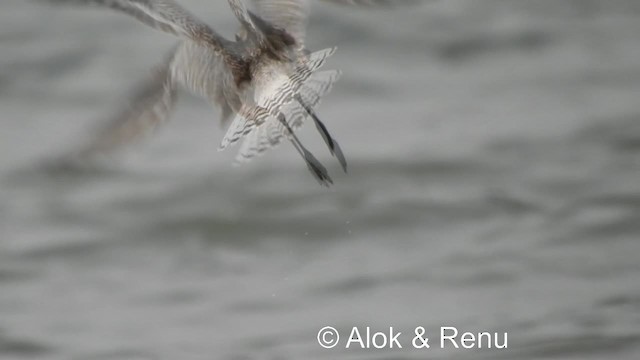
{"x": 333, "y": 145}
{"x": 316, "y": 168}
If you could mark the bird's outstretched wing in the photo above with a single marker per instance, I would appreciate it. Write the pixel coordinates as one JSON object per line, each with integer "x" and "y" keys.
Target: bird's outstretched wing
{"x": 264, "y": 33}
{"x": 151, "y": 106}
{"x": 289, "y": 15}
{"x": 164, "y": 15}
{"x": 204, "y": 73}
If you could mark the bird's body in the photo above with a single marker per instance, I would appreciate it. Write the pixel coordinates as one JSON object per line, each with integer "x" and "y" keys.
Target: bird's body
{"x": 265, "y": 83}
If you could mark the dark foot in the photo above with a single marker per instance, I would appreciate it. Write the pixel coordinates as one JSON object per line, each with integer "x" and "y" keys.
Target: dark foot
{"x": 317, "y": 169}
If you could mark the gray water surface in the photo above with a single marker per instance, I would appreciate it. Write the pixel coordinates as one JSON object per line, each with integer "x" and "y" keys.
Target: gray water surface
{"x": 494, "y": 185}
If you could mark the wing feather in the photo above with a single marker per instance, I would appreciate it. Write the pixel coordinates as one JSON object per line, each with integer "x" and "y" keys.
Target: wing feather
{"x": 151, "y": 106}
{"x": 289, "y": 15}
{"x": 292, "y": 15}
{"x": 163, "y": 15}
{"x": 203, "y": 72}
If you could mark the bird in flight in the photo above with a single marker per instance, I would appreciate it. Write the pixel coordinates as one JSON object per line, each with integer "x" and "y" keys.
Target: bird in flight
{"x": 265, "y": 82}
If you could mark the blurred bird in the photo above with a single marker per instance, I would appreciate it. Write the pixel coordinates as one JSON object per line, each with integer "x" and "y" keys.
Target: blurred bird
{"x": 266, "y": 80}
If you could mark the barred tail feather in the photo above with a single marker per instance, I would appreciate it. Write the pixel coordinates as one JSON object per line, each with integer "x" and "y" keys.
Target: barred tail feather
{"x": 271, "y": 104}
{"x": 270, "y": 134}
